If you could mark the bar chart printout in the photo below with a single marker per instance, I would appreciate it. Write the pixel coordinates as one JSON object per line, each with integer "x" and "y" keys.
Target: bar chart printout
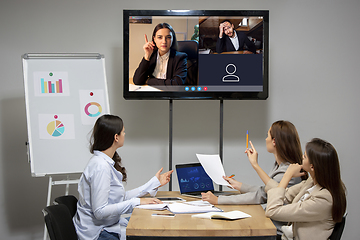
{"x": 51, "y": 84}
{"x": 49, "y": 87}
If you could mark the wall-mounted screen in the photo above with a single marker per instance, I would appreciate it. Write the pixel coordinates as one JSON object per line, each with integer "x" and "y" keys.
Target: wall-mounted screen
{"x": 196, "y": 54}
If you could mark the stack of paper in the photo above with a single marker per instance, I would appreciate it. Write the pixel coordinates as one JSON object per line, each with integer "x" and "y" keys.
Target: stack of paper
{"x": 178, "y": 208}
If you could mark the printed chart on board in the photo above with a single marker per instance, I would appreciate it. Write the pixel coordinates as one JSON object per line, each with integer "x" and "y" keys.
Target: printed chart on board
{"x": 64, "y": 97}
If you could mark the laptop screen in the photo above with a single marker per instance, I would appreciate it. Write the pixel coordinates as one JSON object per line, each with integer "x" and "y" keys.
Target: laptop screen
{"x": 193, "y": 178}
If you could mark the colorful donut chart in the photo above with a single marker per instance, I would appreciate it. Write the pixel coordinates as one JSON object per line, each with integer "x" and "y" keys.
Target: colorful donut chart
{"x": 93, "y": 114}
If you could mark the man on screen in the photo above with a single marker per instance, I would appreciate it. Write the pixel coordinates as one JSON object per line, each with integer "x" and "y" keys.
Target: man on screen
{"x": 230, "y": 40}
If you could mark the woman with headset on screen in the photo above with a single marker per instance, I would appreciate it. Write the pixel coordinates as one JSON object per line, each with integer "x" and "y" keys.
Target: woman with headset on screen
{"x": 162, "y": 64}
{"x": 284, "y": 143}
{"x": 102, "y": 196}
{"x": 315, "y": 205}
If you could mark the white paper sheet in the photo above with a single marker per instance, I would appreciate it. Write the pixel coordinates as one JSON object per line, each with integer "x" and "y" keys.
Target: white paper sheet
{"x": 213, "y": 167}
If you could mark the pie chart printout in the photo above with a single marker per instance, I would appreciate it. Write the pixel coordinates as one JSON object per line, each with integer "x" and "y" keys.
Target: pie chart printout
{"x": 56, "y": 128}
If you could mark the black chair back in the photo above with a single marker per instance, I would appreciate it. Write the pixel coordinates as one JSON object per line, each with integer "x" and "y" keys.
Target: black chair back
{"x": 190, "y": 47}
{"x": 59, "y": 223}
{"x": 338, "y": 230}
{"x": 68, "y": 200}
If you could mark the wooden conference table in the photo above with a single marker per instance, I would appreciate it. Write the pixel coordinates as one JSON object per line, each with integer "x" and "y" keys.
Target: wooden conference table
{"x": 144, "y": 226}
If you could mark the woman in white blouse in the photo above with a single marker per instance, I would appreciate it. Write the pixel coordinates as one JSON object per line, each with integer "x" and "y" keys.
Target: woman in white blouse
{"x": 312, "y": 206}
{"x": 102, "y": 196}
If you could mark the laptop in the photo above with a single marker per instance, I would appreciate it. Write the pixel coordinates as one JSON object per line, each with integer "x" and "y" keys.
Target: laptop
{"x": 193, "y": 180}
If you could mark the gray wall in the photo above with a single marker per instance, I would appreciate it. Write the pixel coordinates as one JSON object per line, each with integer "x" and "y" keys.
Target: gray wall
{"x": 314, "y": 83}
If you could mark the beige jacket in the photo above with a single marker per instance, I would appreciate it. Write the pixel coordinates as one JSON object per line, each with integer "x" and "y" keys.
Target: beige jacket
{"x": 311, "y": 218}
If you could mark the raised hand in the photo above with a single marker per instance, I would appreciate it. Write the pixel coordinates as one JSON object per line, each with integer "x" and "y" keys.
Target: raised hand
{"x": 252, "y": 155}
{"x": 221, "y": 28}
{"x": 165, "y": 177}
{"x": 148, "y": 48}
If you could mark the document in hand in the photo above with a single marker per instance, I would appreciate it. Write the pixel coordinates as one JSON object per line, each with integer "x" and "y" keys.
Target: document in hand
{"x": 179, "y": 208}
{"x": 232, "y": 215}
{"x": 213, "y": 167}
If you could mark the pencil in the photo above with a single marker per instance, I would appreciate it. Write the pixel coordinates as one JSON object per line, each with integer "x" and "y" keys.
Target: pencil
{"x": 247, "y": 139}
{"x": 232, "y": 176}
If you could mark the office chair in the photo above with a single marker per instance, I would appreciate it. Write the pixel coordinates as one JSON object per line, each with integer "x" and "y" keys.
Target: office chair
{"x": 338, "y": 229}
{"x": 190, "y": 47}
{"x": 59, "y": 223}
{"x": 69, "y": 201}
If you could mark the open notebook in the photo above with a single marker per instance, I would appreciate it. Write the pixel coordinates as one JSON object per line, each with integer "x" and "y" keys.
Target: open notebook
{"x": 193, "y": 180}
{"x": 233, "y": 215}
{"x": 178, "y": 208}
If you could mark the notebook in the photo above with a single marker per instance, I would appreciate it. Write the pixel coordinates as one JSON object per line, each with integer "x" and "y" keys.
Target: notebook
{"x": 232, "y": 215}
{"x": 193, "y": 180}
{"x": 178, "y": 208}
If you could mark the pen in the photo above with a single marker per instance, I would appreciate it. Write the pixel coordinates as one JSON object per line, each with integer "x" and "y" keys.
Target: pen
{"x": 247, "y": 139}
{"x": 163, "y": 215}
{"x": 232, "y": 176}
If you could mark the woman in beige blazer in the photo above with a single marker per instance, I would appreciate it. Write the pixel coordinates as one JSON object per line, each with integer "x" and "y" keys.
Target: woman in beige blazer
{"x": 315, "y": 205}
{"x": 284, "y": 143}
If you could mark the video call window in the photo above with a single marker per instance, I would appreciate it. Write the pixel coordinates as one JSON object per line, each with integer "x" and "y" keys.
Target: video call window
{"x": 230, "y": 56}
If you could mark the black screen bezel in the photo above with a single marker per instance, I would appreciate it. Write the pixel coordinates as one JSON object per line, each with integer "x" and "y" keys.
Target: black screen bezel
{"x": 139, "y": 95}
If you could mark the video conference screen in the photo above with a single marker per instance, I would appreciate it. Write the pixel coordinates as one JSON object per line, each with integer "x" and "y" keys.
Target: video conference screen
{"x": 227, "y": 54}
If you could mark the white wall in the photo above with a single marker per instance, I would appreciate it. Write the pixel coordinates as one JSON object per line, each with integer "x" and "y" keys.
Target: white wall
{"x": 314, "y": 83}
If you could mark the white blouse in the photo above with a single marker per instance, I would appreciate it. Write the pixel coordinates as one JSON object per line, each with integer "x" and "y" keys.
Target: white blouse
{"x": 161, "y": 65}
{"x": 103, "y": 198}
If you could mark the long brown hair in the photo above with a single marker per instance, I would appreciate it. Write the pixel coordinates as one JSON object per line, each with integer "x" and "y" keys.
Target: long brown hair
{"x": 287, "y": 141}
{"x": 102, "y": 138}
{"x": 323, "y": 156}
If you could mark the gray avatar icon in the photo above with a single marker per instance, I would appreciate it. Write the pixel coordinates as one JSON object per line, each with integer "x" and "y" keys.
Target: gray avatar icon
{"x": 231, "y": 77}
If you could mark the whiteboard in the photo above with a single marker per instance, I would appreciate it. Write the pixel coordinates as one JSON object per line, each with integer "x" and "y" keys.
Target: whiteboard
{"x": 64, "y": 95}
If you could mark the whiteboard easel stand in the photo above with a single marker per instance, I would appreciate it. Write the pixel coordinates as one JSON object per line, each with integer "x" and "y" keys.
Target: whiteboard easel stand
{"x": 59, "y": 56}
{"x": 66, "y": 182}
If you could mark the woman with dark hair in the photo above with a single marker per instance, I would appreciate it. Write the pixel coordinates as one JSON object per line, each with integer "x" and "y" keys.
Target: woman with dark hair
{"x": 315, "y": 205}
{"x": 102, "y": 196}
{"x": 162, "y": 64}
{"x": 284, "y": 143}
